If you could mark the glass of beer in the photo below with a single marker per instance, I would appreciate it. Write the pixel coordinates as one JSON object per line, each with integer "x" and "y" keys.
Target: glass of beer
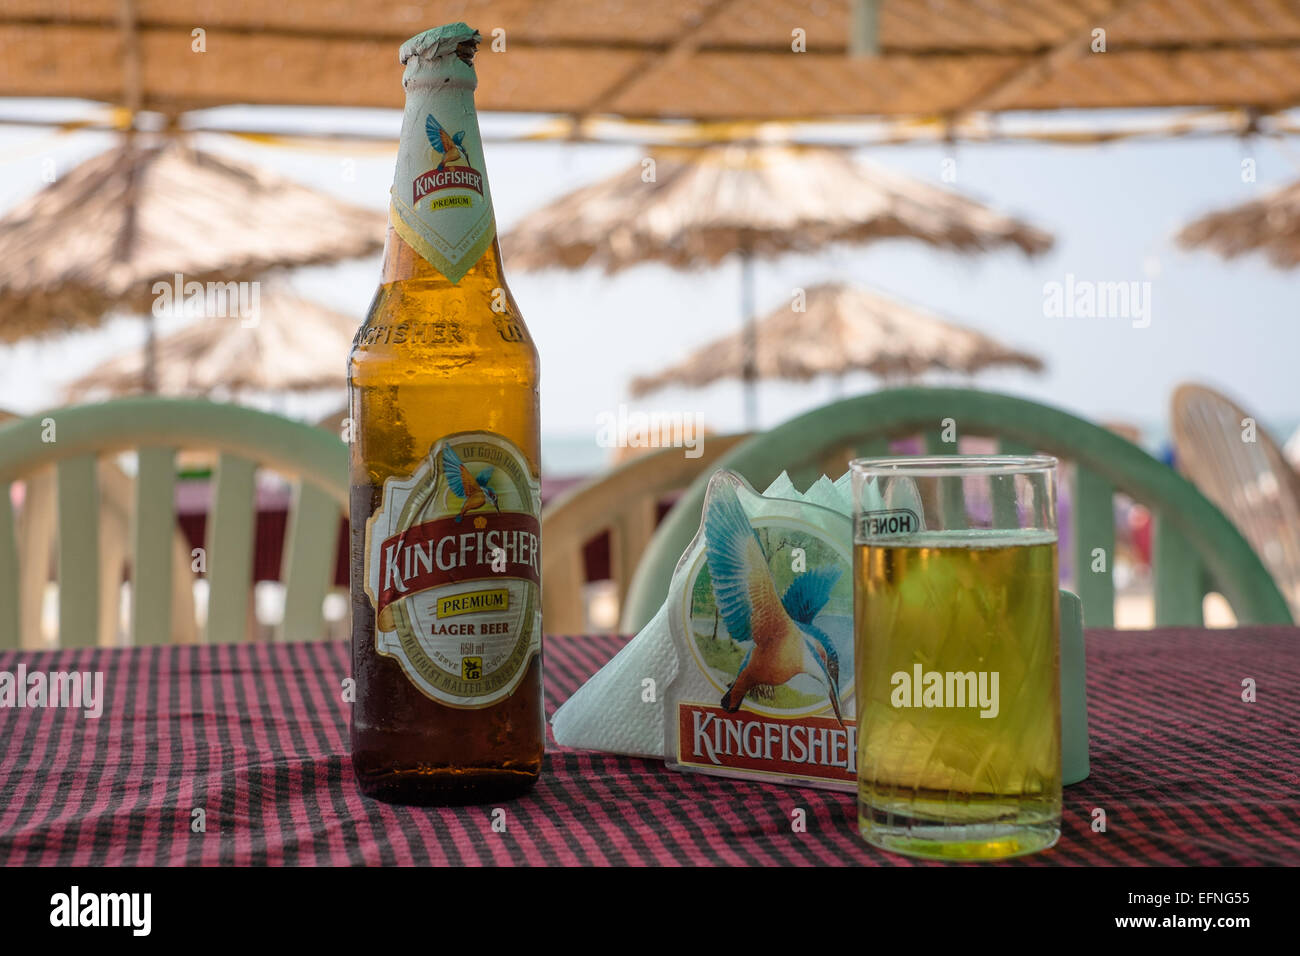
{"x": 956, "y": 655}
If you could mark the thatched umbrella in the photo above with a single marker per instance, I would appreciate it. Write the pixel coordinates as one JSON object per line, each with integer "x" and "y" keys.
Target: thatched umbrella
{"x": 290, "y": 344}
{"x": 693, "y": 207}
{"x": 1270, "y": 224}
{"x": 843, "y": 329}
{"x": 100, "y": 237}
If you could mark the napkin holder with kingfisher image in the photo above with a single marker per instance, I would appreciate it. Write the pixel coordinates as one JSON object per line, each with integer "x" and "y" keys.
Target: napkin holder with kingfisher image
{"x": 747, "y": 669}
{"x": 761, "y": 617}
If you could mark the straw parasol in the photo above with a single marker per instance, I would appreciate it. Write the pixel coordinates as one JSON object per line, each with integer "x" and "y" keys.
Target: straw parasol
{"x": 690, "y": 208}
{"x": 289, "y": 344}
{"x": 1270, "y": 224}
{"x": 704, "y": 204}
{"x": 843, "y": 329}
{"x": 100, "y": 237}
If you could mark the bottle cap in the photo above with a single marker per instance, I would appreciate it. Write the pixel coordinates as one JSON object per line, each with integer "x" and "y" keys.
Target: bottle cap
{"x": 442, "y": 41}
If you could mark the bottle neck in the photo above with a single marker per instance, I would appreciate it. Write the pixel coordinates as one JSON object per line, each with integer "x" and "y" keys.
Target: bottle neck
{"x": 402, "y": 262}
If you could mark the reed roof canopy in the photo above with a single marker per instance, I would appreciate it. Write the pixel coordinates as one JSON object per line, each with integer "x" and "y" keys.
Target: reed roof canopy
{"x": 784, "y": 59}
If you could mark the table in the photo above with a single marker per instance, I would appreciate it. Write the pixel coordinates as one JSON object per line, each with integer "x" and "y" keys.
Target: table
{"x": 255, "y": 737}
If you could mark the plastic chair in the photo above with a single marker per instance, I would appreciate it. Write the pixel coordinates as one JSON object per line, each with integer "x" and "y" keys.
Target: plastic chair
{"x": 1194, "y": 544}
{"x": 1239, "y": 467}
{"x": 624, "y": 501}
{"x": 74, "y": 440}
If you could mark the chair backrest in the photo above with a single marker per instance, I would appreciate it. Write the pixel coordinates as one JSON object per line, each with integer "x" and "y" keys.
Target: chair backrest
{"x": 1194, "y": 544}
{"x": 1236, "y": 464}
{"x": 623, "y": 502}
{"x": 74, "y": 440}
{"x": 36, "y": 531}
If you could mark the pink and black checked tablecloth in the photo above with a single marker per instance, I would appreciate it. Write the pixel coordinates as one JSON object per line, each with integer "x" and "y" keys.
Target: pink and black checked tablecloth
{"x": 256, "y": 736}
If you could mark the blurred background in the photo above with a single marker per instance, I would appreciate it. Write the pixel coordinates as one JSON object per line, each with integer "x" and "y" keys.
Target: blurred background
{"x": 1085, "y": 205}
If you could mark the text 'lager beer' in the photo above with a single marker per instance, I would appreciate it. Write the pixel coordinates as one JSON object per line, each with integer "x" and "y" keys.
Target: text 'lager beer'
{"x": 443, "y": 394}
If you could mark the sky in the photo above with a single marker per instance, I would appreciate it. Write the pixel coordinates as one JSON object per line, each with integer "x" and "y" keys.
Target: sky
{"x": 1113, "y": 209}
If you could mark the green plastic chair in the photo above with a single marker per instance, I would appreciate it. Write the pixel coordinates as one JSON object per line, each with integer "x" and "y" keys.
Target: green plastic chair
{"x": 1194, "y": 545}
{"x": 72, "y": 439}
{"x": 623, "y": 501}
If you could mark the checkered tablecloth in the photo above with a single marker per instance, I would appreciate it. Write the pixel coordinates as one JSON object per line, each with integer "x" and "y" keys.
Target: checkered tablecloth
{"x": 238, "y": 755}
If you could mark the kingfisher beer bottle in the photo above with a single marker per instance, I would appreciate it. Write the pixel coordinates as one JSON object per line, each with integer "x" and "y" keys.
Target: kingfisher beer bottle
{"x": 443, "y": 379}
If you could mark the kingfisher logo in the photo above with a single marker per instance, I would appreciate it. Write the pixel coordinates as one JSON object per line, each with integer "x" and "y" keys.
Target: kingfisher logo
{"x": 438, "y": 179}
{"x": 816, "y": 748}
{"x": 441, "y": 552}
{"x": 454, "y": 170}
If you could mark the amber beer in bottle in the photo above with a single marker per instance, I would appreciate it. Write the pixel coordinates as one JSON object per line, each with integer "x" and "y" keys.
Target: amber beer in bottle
{"x": 443, "y": 395}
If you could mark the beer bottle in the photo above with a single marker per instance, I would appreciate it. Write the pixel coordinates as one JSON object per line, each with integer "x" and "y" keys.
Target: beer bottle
{"x": 445, "y": 502}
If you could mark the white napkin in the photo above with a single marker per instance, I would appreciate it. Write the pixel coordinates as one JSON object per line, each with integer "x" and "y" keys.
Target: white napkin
{"x": 620, "y": 709}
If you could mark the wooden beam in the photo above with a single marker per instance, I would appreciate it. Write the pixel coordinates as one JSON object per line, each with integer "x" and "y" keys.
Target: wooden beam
{"x": 1071, "y": 47}
{"x": 132, "y": 79}
{"x": 864, "y": 28}
{"x": 668, "y": 59}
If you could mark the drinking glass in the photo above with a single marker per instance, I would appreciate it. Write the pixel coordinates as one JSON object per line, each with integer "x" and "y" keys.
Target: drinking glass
{"x": 957, "y": 655}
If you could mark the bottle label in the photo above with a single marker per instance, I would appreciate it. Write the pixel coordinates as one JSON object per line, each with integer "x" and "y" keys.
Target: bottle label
{"x": 453, "y": 570}
{"x": 441, "y": 202}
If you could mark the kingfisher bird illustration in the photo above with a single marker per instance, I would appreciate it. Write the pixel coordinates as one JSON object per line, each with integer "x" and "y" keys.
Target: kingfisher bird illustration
{"x": 450, "y": 147}
{"x": 785, "y": 640}
{"x": 473, "y": 488}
